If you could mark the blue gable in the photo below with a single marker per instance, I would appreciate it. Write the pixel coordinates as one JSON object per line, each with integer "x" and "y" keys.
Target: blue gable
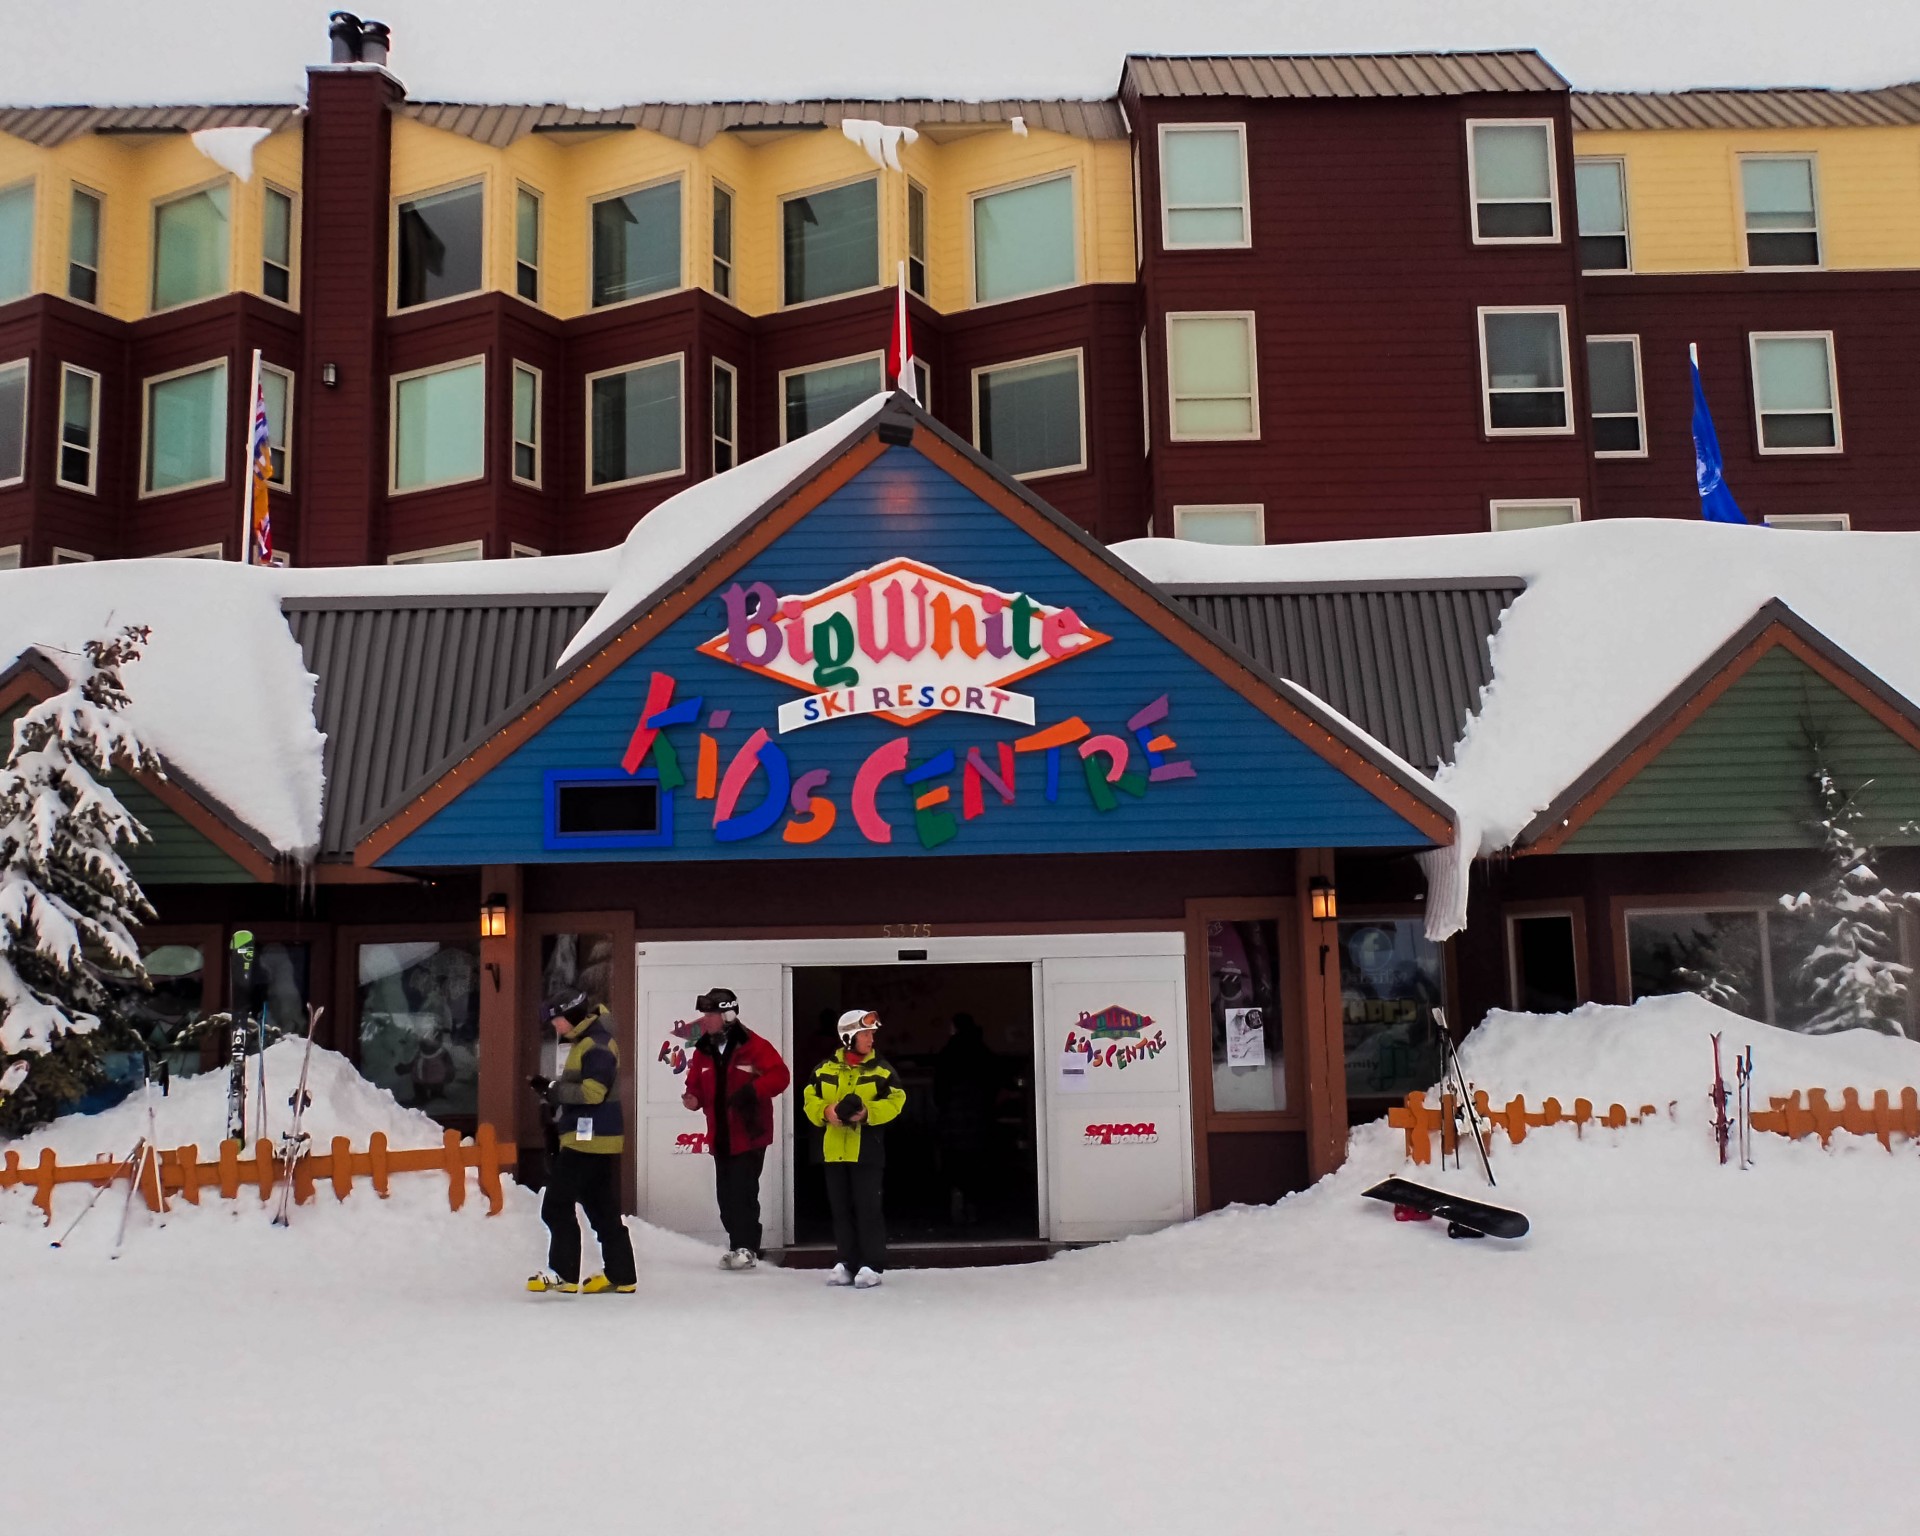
{"x": 1203, "y": 769}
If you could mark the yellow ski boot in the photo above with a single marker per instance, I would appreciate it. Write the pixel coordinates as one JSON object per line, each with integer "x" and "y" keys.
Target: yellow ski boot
{"x": 546, "y": 1282}
{"x": 598, "y": 1283}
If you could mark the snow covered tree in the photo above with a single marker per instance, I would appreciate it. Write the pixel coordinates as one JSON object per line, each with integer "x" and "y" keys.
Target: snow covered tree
{"x": 67, "y": 899}
{"x": 1853, "y": 978}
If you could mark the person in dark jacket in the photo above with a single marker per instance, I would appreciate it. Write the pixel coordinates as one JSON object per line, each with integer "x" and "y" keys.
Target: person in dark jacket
{"x": 583, "y": 1109}
{"x": 851, "y": 1097}
{"x": 734, "y": 1075}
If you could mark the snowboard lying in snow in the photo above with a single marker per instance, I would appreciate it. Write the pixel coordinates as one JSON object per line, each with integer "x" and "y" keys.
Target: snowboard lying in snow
{"x": 1464, "y": 1218}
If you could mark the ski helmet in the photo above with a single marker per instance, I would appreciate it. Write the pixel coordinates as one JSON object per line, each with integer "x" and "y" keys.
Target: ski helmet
{"x": 853, "y": 1021}
{"x": 570, "y": 1003}
{"x": 718, "y": 1000}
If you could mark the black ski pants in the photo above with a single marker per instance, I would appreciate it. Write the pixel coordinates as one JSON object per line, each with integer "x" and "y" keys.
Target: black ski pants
{"x": 859, "y": 1225}
{"x": 736, "y": 1181}
{"x": 590, "y": 1180}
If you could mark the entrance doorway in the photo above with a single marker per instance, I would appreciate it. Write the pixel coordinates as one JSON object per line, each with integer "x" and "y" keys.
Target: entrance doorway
{"x": 963, "y": 1157}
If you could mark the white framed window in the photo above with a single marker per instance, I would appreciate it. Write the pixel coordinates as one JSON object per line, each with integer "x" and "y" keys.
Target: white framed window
{"x": 183, "y": 429}
{"x": 636, "y": 423}
{"x": 1222, "y": 524}
{"x": 1779, "y": 204}
{"x": 522, "y": 552}
{"x": 726, "y": 416}
{"x": 1795, "y": 400}
{"x": 440, "y": 554}
{"x": 1203, "y": 187}
{"x": 1615, "y": 398}
{"x": 439, "y": 245}
{"x": 1506, "y": 516}
{"x": 1812, "y": 522}
{"x": 77, "y": 460}
{"x": 10, "y": 557}
{"x": 1146, "y": 406}
{"x": 916, "y": 239}
{"x": 83, "y": 246}
{"x": 192, "y": 247}
{"x": 1523, "y": 371}
{"x": 276, "y": 384}
{"x": 1024, "y": 239}
{"x": 923, "y": 382}
{"x": 813, "y": 396}
{"x": 63, "y": 556}
{"x": 526, "y": 423}
{"x": 16, "y": 241}
{"x": 1600, "y": 203}
{"x": 1512, "y": 181}
{"x": 1213, "y": 382}
{"x": 1749, "y": 948}
{"x": 722, "y": 240}
{"x": 1029, "y": 416}
{"x": 526, "y": 243}
{"x": 13, "y": 421}
{"x": 636, "y": 243}
{"x": 439, "y": 426}
{"x": 830, "y": 242}
{"x": 277, "y": 237}
{"x": 198, "y": 552}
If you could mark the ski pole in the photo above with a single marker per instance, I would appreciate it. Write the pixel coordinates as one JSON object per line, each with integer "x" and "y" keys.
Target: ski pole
{"x": 126, "y": 1209}
{"x": 125, "y": 1165}
{"x": 1466, "y": 1098}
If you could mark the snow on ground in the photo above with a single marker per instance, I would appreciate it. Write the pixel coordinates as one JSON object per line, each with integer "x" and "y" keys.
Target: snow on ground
{"x": 1676, "y": 1347}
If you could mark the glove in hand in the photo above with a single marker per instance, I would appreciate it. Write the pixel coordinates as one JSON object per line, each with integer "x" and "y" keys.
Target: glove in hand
{"x": 539, "y": 1084}
{"x": 850, "y": 1106}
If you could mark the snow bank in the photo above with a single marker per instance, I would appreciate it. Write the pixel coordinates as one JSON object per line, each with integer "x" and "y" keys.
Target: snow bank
{"x": 231, "y": 148}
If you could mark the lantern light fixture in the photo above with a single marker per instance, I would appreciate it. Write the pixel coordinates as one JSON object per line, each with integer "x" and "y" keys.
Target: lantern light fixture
{"x": 1324, "y": 898}
{"x": 493, "y": 916}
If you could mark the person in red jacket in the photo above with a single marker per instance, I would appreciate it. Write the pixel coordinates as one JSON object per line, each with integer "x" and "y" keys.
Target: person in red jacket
{"x": 734, "y": 1076}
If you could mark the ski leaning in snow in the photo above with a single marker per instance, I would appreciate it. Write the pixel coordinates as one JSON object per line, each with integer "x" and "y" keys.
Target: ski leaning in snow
{"x": 237, "y": 1039}
{"x": 293, "y": 1140}
{"x": 1721, "y": 1127}
{"x": 1464, "y": 1104}
{"x": 1743, "y": 1078}
{"x": 1464, "y": 1218}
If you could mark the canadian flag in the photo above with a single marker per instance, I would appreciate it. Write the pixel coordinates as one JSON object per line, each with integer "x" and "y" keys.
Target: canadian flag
{"x": 900, "y": 349}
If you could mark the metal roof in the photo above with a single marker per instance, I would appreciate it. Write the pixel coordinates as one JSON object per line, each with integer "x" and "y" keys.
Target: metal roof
{"x": 1302, "y": 76}
{"x": 49, "y": 127}
{"x": 699, "y": 123}
{"x": 1403, "y": 660}
{"x": 404, "y": 681}
{"x": 1893, "y": 105}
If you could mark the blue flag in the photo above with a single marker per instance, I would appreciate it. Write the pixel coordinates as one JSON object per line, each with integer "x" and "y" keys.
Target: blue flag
{"x": 1716, "y": 501}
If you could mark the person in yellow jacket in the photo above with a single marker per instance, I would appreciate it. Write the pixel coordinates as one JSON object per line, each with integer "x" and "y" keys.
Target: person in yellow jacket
{"x": 851, "y": 1096}
{"x": 583, "y": 1108}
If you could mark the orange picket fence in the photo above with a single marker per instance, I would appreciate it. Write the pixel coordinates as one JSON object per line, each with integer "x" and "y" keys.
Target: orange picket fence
{"x": 181, "y": 1171}
{"x": 1422, "y": 1121}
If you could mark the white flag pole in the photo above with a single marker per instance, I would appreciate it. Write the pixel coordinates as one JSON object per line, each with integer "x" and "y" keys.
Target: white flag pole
{"x": 246, "y": 464}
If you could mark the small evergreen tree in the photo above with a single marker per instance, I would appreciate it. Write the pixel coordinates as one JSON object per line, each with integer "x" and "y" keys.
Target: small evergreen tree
{"x": 1853, "y": 979}
{"x": 67, "y": 899}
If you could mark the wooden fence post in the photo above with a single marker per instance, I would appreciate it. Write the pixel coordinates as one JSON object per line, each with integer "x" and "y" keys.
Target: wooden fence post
{"x": 342, "y": 1167}
{"x": 456, "y": 1169}
{"x": 377, "y": 1162}
{"x": 43, "y": 1195}
{"x": 489, "y": 1168}
{"x": 190, "y": 1174}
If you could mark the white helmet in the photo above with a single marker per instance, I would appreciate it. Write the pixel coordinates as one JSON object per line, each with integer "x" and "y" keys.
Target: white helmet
{"x": 853, "y": 1021}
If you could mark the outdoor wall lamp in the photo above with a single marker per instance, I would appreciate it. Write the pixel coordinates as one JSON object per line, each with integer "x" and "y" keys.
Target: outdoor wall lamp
{"x": 329, "y": 374}
{"x": 493, "y": 916}
{"x": 1324, "y": 899}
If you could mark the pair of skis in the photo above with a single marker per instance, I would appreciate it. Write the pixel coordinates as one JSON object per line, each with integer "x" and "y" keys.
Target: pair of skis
{"x": 1734, "y": 1130}
{"x": 135, "y": 1165}
{"x": 294, "y": 1140}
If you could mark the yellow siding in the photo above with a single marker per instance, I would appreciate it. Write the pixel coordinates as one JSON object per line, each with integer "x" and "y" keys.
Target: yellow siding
{"x": 1683, "y": 194}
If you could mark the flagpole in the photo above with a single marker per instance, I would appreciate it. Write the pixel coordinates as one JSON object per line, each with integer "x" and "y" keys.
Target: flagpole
{"x": 246, "y": 465}
{"x": 1693, "y": 352}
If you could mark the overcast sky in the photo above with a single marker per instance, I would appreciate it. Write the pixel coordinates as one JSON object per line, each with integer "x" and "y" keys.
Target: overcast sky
{"x": 610, "y": 52}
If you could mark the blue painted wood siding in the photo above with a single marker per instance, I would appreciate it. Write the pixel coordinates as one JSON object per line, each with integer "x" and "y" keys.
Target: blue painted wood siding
{"x": 1257, "y": 786}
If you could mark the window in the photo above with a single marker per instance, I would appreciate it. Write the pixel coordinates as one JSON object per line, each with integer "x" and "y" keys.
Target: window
{"x": 1523, "y": 360}
{"x": 722, "y": 241}
{"x": 1028, "y": 416}
{"x": 1600, "y": 195}
{"x": 419, "y": 1030}
{"x": 1613, "y": 395}
{"x": 13, "y": 422}
{"x": 1211, "y": 377}
{"x": 812, "y": 397}
{"x": 1510, "y": 515}
{"x": 439, "y": 425}
{"x": 276, "y": 245}
{"x": 1544, "y": 962}
{"x": 522, "y": 552}
{"x": 916, "y": 239}
{"x": 277, "y": 385}
{"x": 71, "y": 556}
{"x": 1023, "y": 240}
{"x": 190, "y": 260}
{"x": 636, "y": 244}
{"x": 923, "y": 385}
{"x": 16, "y": 242}
{"x": 526, "y": 424}
{"x": 186, "y": 429}
{"x": 587, "y": 809}
{"x": 1793, "y": 393}
{"x": 1221, "y": 525}
{"x": 1391, "y": 977}
{"x": 1244, "y": 1008}
{"x": 1203, "y": 187}
{"x": 726, "y": 417}
{"x": 79, "y": 428}
{"x": 198, "y": 552}
{"x": 83, "y": 248}
{"x": 830, "y": 242}
{"x": 526, "y": 244}
{"x": 438, "y": 246}
{"x": 634, "y": 427}
{"x": 1510, "y": 166}
{"x": 1746, "y": 958}
{"x": 1812, "y": 522}
{"x": 9, "y": 557}
{"x": 1783, "y": 229}
{"x": 445, "y": 554}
